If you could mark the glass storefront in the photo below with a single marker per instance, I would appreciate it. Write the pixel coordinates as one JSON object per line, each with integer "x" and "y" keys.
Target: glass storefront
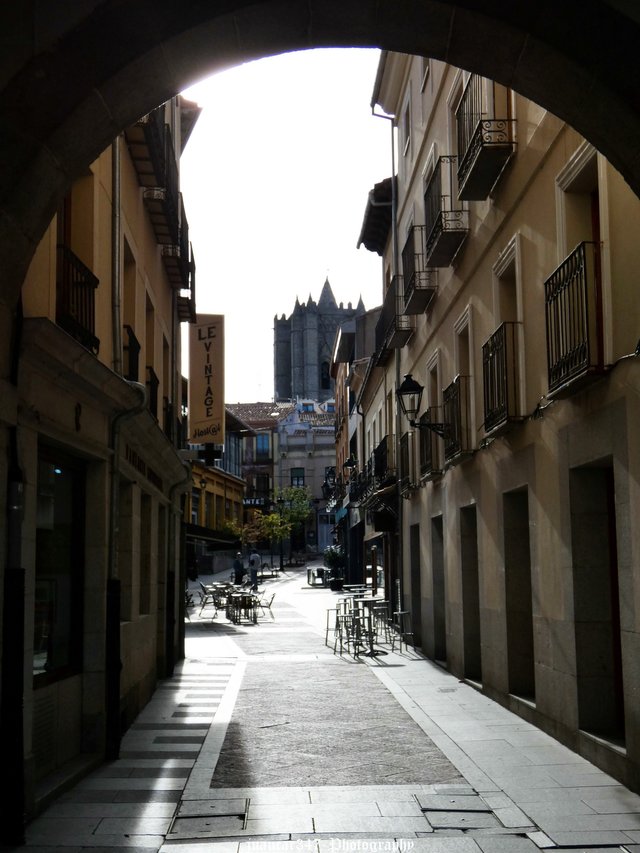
{"x": 60, "y": 523}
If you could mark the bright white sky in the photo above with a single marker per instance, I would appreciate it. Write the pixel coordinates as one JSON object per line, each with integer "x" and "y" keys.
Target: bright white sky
{"x": 275, "y": 179}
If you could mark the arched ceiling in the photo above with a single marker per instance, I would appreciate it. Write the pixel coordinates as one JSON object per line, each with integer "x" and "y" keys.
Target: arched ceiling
{"x": 73, "y": 75}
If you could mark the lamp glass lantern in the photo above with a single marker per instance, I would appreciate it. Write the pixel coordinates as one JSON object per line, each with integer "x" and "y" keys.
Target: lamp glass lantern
{"x": 410, "y": 397}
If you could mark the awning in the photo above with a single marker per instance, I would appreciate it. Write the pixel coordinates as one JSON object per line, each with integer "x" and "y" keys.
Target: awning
{"x": 215, "y": 539}
{"x": 385, "y": 498}
{"x": 340, "y": 513}
{"x": 373, "y": 534}
{"x": 376, "y": 224}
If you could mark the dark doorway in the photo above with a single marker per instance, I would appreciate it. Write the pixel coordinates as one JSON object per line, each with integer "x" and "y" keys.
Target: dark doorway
{"x": 416, "y": 594}
{"x": 518, "y": 598}
{"x": 470, "y": 594}
{"x": 439, "y": 595}
{"x": 597, "y": 602}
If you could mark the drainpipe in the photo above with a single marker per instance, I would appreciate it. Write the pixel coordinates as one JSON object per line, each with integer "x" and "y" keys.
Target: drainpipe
{"x": 395, "y": 272}
{"x": 116, "y": 255}
{"x": 113, "y": 663}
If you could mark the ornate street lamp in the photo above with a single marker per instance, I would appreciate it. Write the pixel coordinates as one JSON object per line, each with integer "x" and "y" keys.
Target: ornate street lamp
{"x": 409, "y": 396}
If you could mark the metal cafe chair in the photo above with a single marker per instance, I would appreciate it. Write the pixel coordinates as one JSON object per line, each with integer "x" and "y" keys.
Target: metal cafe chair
{"x": 206, "y": 597}
{"x": 401, "y": 628}
{"x": 345, "y": 632}
{"x": 331, "y": 624}
{"x": 264, "y": 603}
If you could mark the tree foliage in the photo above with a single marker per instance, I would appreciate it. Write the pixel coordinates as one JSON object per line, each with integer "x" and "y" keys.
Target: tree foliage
{"x": 294, "y": 504}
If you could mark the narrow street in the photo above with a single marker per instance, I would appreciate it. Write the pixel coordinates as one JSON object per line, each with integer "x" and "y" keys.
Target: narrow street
{"x": 267, "y": 740}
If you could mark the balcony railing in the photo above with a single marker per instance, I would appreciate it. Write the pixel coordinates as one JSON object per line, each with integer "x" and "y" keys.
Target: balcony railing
{"x": 446, "y": 218}
{"x": 456, "y": 409}
{"x": 152, "y": 384}
{"x": 146, "y": 142}
{"x": 500, "y": 378}
{"x": 378, "y": 473}
{"x": 176, "y": 256}
{"x": 485, "y": 137}
{"x": 168, "y": 421}
{"x": 419, "y": 281}
{"x": 75, "y": 298}
{"x": 131, "y": 348}
{"x": 408, "y": 479}
{"x": 393, "y": 328}
{"x": 431, "y": 449}
{"x": 358, "y": 487}
{"x": 384, "y": 461}
{"x": 186, "y": 301}
{"x": 574, "y": 319}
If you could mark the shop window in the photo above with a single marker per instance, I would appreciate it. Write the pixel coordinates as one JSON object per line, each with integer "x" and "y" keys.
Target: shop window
{"x": 57, "y": 640}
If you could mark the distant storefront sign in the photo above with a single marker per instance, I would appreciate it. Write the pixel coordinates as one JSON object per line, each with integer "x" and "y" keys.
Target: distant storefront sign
{"x": 206, "y": 379}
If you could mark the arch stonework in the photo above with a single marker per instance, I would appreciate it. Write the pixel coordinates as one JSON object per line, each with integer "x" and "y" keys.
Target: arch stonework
{"x": 72, "y": 77}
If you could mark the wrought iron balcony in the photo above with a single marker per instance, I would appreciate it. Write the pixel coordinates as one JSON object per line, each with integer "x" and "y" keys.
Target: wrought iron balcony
{"x": 358, "y": 485}
{"x": 75, "y": 298}
{"x": 430, "y": 445}
{"x": 446, "y": 218}
{"x": 153, "y": 384}
{"x": 573, "y": 308}
{"x": 146, "y": 142}
{"x": 393, "y": 328}
{"x": 176, "y": 256}
{"x": 186, "y": 302}
{"x": 168, "y": 418}
{"x": 500, "y": 378}
{"x": 384, "y": 469}
{"x": 419, "y": 281}
{"x": 408, "y": 478}
{"x": 163, "y": 200}
{"x": 456, "y": 408}
{"x": 131, "y": 348}
{"x": 485, "y": 137}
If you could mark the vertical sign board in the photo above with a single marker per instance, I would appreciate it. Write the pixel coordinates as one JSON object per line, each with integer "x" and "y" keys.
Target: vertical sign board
{"x": 206, "y": 379}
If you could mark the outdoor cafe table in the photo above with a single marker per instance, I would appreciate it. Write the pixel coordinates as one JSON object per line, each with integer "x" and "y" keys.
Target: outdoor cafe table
{"x": 242, "y": 605}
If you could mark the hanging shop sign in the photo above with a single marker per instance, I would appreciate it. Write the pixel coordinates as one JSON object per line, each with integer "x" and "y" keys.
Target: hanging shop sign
{"x": 206, "y": 379}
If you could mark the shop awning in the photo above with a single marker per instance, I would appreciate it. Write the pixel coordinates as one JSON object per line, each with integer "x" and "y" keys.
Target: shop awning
{"x": 215, "y": 540}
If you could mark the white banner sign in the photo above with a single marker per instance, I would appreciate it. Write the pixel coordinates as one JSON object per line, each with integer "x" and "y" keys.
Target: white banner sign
{"x": 206, "y": 379}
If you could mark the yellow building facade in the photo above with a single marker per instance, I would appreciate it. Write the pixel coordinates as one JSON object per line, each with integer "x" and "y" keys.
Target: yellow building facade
{"x": 96, "y": 451}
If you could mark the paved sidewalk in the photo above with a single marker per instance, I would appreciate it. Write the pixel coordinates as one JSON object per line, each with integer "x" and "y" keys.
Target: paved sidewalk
{"x": 436, "y": 768}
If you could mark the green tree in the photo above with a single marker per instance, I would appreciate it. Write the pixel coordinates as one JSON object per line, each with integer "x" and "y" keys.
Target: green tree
{"x": 295, "y": 505}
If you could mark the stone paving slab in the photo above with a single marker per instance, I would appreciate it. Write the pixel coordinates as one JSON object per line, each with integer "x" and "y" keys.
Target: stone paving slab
{"x": 448, "y": 803}
{"x": 309, "y": 724}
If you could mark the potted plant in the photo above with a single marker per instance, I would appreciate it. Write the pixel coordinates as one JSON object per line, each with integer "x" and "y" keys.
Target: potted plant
{"x": 334, "y": 561}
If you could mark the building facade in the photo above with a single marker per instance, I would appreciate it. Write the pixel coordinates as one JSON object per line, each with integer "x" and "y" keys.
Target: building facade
{"x": 302, "y": 347}
{"x": 214, "y": 507}
{"x": 509, "y": 297}
{"x": 307, "y": 453}
{"x": 96, "y": 467}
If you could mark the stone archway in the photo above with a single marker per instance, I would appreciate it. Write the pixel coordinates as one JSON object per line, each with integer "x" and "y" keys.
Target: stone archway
{"x": 72, "y": 80}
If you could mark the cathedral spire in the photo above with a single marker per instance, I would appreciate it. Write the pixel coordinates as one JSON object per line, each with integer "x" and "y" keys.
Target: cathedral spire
{"x": 327, "y": 299}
